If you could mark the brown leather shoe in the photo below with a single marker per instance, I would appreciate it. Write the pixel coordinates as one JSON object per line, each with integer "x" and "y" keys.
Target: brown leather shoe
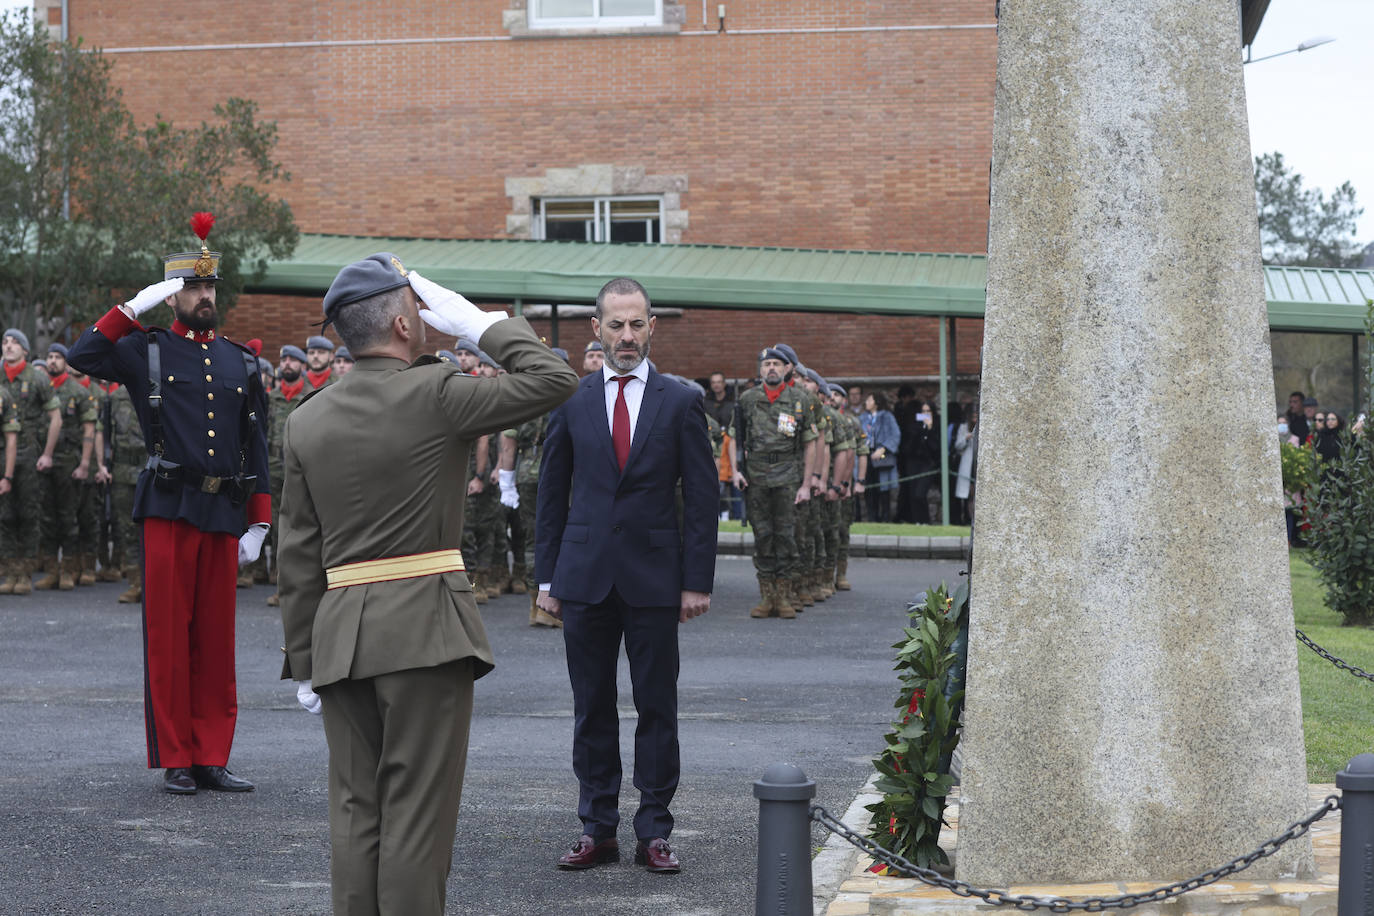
{"x": 657, "y": 856}
{"x": 587, "y": 853}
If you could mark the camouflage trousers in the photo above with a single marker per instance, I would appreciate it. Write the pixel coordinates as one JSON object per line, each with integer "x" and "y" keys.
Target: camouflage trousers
{"x": 124, "y": 531}
{"x": 90, "y": 512}
{"x": 828, "y": 542}
{"x": 59, "y": 495}
{"x": 480, "y": 522}
{"x": 773, "y": 517}
{"x": 529, "y": 494}
{"x": 21, "y": 510}
{"x": 805, "y": 533}
{"x": 846, "y": 514}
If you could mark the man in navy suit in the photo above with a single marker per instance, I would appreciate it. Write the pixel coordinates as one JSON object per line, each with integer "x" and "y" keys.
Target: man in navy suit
{"x": 614, "y": 560}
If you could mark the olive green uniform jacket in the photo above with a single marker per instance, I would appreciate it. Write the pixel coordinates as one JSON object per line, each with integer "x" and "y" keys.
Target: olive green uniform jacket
{"x": 376, "y": 467}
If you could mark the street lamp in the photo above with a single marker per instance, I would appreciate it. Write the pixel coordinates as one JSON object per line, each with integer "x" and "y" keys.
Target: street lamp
{"x": 1306, "y": 45}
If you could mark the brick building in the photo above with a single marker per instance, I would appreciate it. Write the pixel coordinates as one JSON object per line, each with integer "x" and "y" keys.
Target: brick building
{"x": 804, "y": 124}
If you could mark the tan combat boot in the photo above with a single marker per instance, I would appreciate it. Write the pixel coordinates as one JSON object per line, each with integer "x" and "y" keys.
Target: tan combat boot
{"x": 245, "y": 579}
{"x": 783, "y": 604}
{"x": 479, "y": 590}
{"x": 85, "y": 567}
{"x": 824, "y": 576}
{"x": 11, "y": 577}
{"x": 134, "y": 593}
{"x": 768, "y": 598}
{"x": 274, "y": 600}
{"x": 801, "y": 595}
{"x": 51, "y": 567}
{"x": 24, "y": 584}
{"x": 517, "y": 580}
{"x": 841, "y": 568}
{"x": 109, "y": 572}
{"x": 68, "y": 573}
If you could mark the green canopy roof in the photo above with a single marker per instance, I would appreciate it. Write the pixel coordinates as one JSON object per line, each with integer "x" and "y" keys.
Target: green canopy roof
{"x": 736, "y": 277}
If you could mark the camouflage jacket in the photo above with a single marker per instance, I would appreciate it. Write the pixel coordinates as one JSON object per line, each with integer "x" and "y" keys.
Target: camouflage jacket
{"x": 278, "y": 409}
{"x": 78, "y": 407}
{"x": 32, "y": 394}
{"x": 128, "y": 450}
{"x": 772, "y": 437}
{"x": 529, "y": 449}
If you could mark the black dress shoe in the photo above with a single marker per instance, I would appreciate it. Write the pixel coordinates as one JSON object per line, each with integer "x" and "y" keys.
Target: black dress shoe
{"x": 220, "y": 780}
{"x": 178, "y": 781}
{"x": 587, "y": 853}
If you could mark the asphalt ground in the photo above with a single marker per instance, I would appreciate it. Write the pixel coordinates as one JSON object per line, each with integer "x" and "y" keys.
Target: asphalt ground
{"x": 86, "y": 828}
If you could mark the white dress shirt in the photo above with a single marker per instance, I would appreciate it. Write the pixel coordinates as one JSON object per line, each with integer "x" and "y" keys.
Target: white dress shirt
{"x": 634, "y": 393}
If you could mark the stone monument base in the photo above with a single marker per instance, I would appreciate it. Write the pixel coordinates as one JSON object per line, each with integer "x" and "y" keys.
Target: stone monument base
{"x": 863, "y": 893}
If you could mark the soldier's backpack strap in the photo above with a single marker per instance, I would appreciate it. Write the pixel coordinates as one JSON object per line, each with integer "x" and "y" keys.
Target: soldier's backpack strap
{"x": 154, "y": 393}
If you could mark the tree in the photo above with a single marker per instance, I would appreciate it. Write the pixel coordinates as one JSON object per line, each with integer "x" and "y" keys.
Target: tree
{"x": 90, "y": 201}
{"x": 1301, "y": 227}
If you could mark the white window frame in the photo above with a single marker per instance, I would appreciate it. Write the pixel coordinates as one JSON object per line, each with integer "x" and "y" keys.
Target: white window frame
{"x": 595, "y": 20}
{"x": 601, "y": 214}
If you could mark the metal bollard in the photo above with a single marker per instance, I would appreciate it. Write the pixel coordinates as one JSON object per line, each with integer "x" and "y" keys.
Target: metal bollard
{"x": 784, "y": 879}
{"x": 1356, "y": 782}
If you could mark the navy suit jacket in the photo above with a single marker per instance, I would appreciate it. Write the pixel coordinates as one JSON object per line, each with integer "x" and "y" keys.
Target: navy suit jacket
{"x": 598, "y": 527}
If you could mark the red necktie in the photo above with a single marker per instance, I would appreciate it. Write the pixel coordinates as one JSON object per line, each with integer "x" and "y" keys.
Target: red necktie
{"x": 620, "y": 426}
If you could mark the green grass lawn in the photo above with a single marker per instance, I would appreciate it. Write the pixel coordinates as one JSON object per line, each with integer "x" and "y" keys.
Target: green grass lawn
{"x": 1337, "y": 707}
{"x": 883, "y": 528}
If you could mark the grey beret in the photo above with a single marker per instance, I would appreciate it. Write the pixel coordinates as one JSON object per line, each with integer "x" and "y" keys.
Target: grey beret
{"x": 818, "y": 379}
{"x": 373, "y": 275}
{"x": 466, "y": 344}
{"x": 293, "y": 351}
{"x": 342, "y": 353}
{"x": 447, "y": 356}
{"x": 773, "y": 353}
{"x": 838, "y": 389}
{"x": 265, "y": 366}
{"x": 319, "y": 342}
{"x": 484, "y": 357}
{"x": 788, "y": 353}
{"x": 594, "y": 345}
{"x": 560, "y": 353}
{"x": 19, "y": 336}
{"x": 57, "y": 348}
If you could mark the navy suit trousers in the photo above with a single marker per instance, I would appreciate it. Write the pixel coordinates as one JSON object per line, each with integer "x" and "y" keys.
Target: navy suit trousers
{"x": 592, "y": 635}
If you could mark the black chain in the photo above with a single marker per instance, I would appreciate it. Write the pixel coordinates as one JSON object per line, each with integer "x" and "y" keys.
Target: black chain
{"x": 1060, "y": 904}
{"x": 1358, "y": 672}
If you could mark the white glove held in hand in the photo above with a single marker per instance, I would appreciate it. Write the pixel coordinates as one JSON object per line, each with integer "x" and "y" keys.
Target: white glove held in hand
{"x": 309, "y": 699}
{"x": 510, "y": 497}
{"x": 154, "y": 295}
{"x": 451, "y": 313}
{"x": 250, "y": 545}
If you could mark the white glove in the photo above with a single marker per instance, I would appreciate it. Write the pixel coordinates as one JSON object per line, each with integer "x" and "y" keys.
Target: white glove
{"x": 309, "y": 699}
{"x": 154, "y": 295}
{"x": 510, "y": 497}
{"x": 451, "y": 313}
{"x": 250, "y": 545}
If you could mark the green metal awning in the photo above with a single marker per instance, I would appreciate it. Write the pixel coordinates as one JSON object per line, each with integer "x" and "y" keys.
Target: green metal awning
{"x": 737, "y": 277}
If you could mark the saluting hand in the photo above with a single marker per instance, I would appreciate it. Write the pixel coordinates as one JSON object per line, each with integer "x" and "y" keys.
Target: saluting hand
{"x": 449, "y": 312}
{"x": 153, "y": 295}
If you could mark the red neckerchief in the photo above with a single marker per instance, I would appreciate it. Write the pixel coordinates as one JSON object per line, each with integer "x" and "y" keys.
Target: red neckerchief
{"x": 84, "y": 381}
{"x": 110, "y": 388}
{"x": 773, "y": 393}
{"x": 182, "y": 330}
{"x": 57, "y": 380}
{"x": 12, "y": 372}
{"x": 791, "y": 380}
{"x": 317, "y": 378}
{"x": 289, "y": 390}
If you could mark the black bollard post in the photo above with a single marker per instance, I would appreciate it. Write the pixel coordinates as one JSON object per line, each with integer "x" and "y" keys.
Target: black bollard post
{"x": 784, "y": 880}
{"x": 1356, "y": 782}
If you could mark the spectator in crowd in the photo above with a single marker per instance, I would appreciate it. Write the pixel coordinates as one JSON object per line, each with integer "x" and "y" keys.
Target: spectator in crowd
{"x": 1296, "y": 419}
{"x": 884, "y": 440}
{"x": 1327, "y": 438}
{"x": 856, "y": 400}
{"x": 966, "y": 447}
{"x": 923, "y": 445}
{"x": 904, "y": 412}
{"x": 1309, "y": 413}
{"x": 719, "y": 404}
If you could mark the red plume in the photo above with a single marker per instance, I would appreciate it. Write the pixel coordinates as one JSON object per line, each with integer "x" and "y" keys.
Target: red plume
{"x": 202, "y": 223}
{"x": 256, "y": 346}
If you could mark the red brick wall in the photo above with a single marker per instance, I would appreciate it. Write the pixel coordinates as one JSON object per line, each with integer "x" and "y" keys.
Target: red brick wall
{"x": 868, "y": 140}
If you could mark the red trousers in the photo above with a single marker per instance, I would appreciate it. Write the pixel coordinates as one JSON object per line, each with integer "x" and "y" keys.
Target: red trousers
{"x": 190, "y": 703}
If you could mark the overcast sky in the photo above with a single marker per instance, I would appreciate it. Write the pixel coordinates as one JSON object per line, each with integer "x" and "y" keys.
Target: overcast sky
{"x": 1314, "y": 106}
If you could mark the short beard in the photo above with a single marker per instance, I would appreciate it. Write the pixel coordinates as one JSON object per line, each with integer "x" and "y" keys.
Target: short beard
{"x": 289, "y": 375}
{"x": 626, "y": 366}
{"x": 51, "y": 372}
{"x": 195, "y": 323}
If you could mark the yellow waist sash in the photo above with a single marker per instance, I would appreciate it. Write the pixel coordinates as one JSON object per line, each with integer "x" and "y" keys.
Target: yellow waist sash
{"x": 417, "y": 564}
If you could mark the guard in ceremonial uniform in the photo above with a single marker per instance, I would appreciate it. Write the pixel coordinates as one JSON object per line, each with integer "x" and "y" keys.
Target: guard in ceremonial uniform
{"x": 201, "y": 406}
{"x": 374, "y": 603}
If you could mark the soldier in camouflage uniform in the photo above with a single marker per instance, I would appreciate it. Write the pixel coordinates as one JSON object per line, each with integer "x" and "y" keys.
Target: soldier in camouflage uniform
{"x": 479, "y": 474}
{"x": 770, "y": 437}
{"x": 40, "y": 421}
{"x": 319, "y": 358}
{"x": 281, "y": 401}
{"x": 826, "y": 532}
{"x": 805, "y": 593}
{"x": 90, "y": 507}
{"x": 60, "y": 485}
{"x": 521, "y": 450}
{"x": 846, "y": 475}
{"x": 128, "y": 457}
{"x": 9, "y": 426}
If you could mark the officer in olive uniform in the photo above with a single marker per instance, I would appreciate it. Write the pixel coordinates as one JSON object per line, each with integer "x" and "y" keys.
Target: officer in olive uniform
{"x": 60, "y": 485}
{"x": 768, "y": 447}
{"x": 319, "y": 357}
{"x": 128, "y": 457}
{"x": 375, "y": 606}
{"x": 289, "y": 393}
{"x": 40, "y": 421}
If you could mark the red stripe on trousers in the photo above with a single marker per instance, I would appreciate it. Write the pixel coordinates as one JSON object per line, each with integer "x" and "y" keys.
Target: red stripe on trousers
{"x": 190, "y": 701}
